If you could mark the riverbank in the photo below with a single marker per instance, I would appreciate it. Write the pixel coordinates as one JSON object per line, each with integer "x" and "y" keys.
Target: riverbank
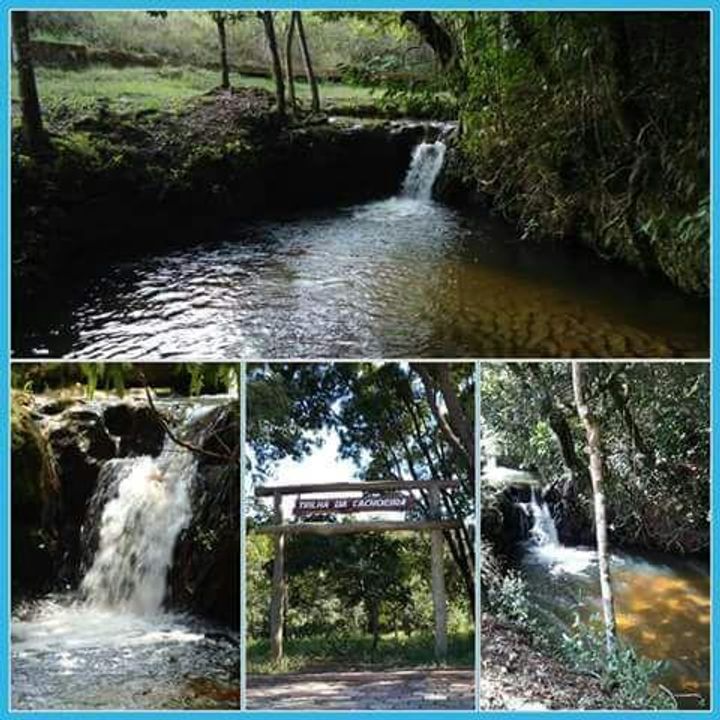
{"x": 155, "y": 179}
{"x": 515, "y": 675}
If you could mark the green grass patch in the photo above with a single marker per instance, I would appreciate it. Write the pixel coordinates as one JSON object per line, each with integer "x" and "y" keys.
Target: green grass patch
{"x": 129, "y": 90}
{"x": 345, "y": 652}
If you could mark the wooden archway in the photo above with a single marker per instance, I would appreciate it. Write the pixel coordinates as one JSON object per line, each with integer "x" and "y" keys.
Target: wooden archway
{"x": 434, "y": 525}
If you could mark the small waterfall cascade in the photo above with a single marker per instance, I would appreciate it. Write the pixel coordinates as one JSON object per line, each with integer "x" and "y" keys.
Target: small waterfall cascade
{"x": 543, "y": 530}
{"x": 425, "y": 166}
{"x": 145, "y": 505}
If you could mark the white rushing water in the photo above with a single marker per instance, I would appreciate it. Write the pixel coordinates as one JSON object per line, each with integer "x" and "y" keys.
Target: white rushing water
{"x": 425, "y": 166}
{"x": 545, "y": 547}
{"x": 138, "y": 531}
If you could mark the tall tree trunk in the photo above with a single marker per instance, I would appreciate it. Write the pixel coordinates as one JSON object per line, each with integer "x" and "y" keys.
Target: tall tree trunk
{"x": 454, "y": 424}
{"x": 222, "y": 36}
{"x": 433, "y": 33}
{"x": 269, "y": 24}
{"x": 289, "y": 74}
{"x": 278, "y": 593}
{"x": 33, "y": 131}
{"x": 374, "y": 623}
{"x": 312, "y": 80}
{"x": 592, "y": 431}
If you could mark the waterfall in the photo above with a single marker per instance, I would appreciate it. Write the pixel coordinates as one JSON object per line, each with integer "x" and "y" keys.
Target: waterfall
{"x": 426, "y": 163}
{"x": 145, "y": 505}
{"x": 545, "y": 548}
{"x": 543, "y": 530}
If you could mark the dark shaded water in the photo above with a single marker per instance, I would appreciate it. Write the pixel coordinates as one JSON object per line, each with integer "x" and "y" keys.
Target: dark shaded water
{"x": 402, "y": 277}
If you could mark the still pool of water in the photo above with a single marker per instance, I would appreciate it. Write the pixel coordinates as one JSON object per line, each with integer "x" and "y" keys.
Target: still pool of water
{"x": 662, "y": 607}
{"x": 68, "y": 655}
{"x": 401, "y": 277}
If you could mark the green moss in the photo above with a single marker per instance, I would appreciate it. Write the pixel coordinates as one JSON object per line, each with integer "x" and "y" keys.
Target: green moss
{"x": 33, "y": 474}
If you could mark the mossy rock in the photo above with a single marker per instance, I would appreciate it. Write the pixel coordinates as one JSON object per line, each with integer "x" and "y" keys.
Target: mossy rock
{"x": 34, "y": 481}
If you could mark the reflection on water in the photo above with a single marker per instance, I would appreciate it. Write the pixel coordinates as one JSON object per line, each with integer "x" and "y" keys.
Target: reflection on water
{"x": 662, "y": 606}
{"x": 67, "y": 655}
{"x": 394, "y": 278}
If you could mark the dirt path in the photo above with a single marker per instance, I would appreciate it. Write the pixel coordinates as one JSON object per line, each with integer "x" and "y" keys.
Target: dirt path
{"x": 363, "y": 690}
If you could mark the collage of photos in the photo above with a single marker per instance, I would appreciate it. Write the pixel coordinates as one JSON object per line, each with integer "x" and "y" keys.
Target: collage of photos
{"x": 360, "y": 361}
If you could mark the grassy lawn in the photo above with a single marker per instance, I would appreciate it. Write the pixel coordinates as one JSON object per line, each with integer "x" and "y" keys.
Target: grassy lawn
{"x": 129, "y": 90}
{"x": 348, "y": 652}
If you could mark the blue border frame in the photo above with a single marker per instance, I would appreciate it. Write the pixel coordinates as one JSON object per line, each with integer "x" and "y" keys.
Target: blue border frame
{"x": 711, "y": 5}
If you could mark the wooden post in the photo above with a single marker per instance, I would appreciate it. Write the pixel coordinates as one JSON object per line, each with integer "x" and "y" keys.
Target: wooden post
{"x": 439, "y": 594}
{"x": 277, "y": 600}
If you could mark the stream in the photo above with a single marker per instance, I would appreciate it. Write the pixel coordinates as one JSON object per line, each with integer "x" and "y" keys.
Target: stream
{"x": 405, "y": 276}
{"x": 112, "y": 644}
{"x": 662, "y": 602}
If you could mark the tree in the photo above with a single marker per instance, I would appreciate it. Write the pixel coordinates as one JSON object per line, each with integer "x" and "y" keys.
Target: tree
{"x": 312, "y": 80}
{"x": 220, "y": 19}
{"x": 434, "y": 34}
{"x": 656, "y": 443}
{"x": 266, "y": 16}
{"x": 592, "y": 432}
{"x": 289, "y": 73}
{"x": 381, "y": 412}
{"x": 32, "y": 124}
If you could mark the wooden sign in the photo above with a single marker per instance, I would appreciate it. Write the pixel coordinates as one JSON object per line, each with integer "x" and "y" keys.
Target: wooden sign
{"x": 368, "y": 503}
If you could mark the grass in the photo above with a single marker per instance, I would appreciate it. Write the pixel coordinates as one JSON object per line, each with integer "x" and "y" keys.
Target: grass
{"x": 133, "y": 89}
{"x": 345, "y": 652}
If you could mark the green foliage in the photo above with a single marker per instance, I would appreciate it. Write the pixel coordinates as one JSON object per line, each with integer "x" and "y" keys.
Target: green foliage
{"x": 190, "y": 38}
{"x": 508, "y": 600}
{"x": 183, "y": 378}
{"x": 347, "y": 592}
{"x": 594, "y": 126}
{"x": 654, "y": 419}
{"x": 681, "y": 242}
{"x": 347, "y": 650}
{"x": 112, "y": 373}
{"x": 628, "y": 677}
{"x": 258, "y": 563}
{"x": 34, "y": 481}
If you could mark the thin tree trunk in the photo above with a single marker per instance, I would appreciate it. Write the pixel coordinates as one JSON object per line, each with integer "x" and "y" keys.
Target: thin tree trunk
{"x": 224, "y": 67}
{"x": 312, "y": 80}
{"x": 289, "y": 74}
{"x": 277, "y": 599}
{"x": 267, "y": 19}
{"x": 33, "y": 131}
{"x": 439, "y": 593}
{"x": 592, "y": 431}
{"x": 374, "y": 622}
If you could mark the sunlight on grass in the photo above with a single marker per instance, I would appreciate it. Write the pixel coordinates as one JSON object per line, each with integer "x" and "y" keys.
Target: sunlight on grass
{"x": 130, "y": 90}
{"x": 346, "y": 652}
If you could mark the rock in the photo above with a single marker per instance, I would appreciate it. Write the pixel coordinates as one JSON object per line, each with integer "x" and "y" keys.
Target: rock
{"x": 54, "y": 407}
{"x": 205, "y": 574}
{"x": 35, "y": 505}
{"x": 80, "y": 444}
{"x": 138, "y": 428}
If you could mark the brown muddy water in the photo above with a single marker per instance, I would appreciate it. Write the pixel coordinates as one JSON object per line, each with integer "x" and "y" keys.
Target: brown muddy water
{"x": 662, "y": 606}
